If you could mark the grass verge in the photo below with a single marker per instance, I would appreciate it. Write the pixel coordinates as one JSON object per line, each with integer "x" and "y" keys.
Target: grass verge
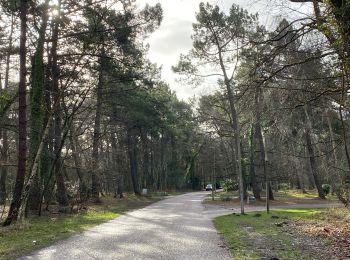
{"x": 282, "y": 234}
{"x": 35, "y": 233}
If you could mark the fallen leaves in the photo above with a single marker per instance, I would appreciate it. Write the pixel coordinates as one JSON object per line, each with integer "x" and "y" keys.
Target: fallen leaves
{"x": 333, "y": 227}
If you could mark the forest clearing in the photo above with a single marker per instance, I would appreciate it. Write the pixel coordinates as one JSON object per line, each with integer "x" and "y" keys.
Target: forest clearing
{"x": 119, "y": 117}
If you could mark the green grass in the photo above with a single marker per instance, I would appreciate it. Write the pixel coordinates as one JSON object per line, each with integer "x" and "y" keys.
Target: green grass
{"x": 298, "y": 194}
{"x": 35, "y": 233}
{"x": 243, "y": 244}
{"x": 286, "y": 194}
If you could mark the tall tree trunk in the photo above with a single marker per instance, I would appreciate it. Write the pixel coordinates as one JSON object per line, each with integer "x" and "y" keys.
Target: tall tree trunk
{"x": 298, "y": 172}
{"x": 5, "y": 142}
{"x": 95, "y": 179}
{"x": 22, "y": 120}
{"x": 116, "y": 166}
{"x": 35, "y": 167}
{"x": 3, "y": 169}
{"x": 37, "y": 110}
{"x": 78, "y": 166}
{"x": 163, "y": 171}
{"x": 260, "y": 140}
{"x": 61, "y": 192}
{"x": 346, "y": 148}
{"x": 145, "y": 165}
{"x": 235, "y": 124}
{"x": 310, "y": 149}
{"x": 332, "y": 139}
{"x": 152, "y": 171}
{"x": 132, "y": 151}
{"x": 253, "y": 177}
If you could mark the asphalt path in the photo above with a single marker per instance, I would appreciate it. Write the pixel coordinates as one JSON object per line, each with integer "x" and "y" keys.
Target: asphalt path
{"x": 179, "y": 227}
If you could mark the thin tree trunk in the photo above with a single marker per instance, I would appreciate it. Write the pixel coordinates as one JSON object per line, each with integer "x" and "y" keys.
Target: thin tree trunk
{"x": 145, "y": 165}
{"x": 61, "y": 192}
{"x": 5, "y": 142}
{"x": 3, "y": 169}
{"x": 253, "y": 177}
{"x": 298, "y": 173}
{"x": 35, "y": 167}
{"x": 95, "y": 181}
{"x": 22, "y": 120}
{"x": 133, "y": 160}
{"x": 37, "y": 109}
{"x": 118, "y": 174}
{"x": 346, "y": 148}
{"x": 332, "y": 139}
{"x": 78, "y": 167}
{"x": 310, "y": 149}
{"x": 235, "y": 125}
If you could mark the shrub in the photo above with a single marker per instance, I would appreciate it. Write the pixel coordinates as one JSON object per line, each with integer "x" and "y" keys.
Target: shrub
{"x": 283, "y": 186}
{"x": 326, "y": 189}
{"x": 229, "y": 185}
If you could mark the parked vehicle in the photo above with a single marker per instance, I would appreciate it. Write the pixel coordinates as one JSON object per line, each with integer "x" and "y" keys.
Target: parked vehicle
{"x": 209, "y": 187}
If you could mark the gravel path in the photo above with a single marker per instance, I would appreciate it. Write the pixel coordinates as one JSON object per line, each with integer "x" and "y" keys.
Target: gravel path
{"x": 174, "y": 228}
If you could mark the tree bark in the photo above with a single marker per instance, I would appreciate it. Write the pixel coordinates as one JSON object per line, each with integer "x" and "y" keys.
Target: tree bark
{"x": 22, "y": 120}
{"x": 35, "y": 167}
{"x": 253, "y": 177}
{"x": 37, "y": 109}
{"x": 95, "y": 181}
{"x": 78, "y": 166}
{"x": 145, "y": 164}
{"x": 235, "y": 125}
{"x": 133, "y": 160}
{"x": 61, "y": 192}
{"x": 5, "y": 142}
{"x": 310, "y": 149}
{"x": 298, "y": 173}
{"x": 118, "y": 173}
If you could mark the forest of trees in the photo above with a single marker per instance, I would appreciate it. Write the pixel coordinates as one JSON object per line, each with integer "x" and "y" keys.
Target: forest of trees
{"x": 281, "y": 113}
{"x": 84, "y": 113}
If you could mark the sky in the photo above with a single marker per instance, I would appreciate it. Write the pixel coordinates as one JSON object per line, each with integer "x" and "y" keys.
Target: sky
{"x": 174, "y": 35}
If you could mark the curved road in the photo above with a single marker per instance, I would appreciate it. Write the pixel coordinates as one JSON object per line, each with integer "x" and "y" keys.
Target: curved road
{"x": 175, "y": 228}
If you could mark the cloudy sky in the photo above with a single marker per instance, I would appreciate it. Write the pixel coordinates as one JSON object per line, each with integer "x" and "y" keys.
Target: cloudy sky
{"x": 174, "y": 35}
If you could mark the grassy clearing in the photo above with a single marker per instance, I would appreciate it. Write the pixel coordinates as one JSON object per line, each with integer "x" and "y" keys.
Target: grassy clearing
{"x": 285, "y": 236}
{"x": 287, "y": 197}
{"x": 298, "y": 194}
{"x": 35, "y": 233}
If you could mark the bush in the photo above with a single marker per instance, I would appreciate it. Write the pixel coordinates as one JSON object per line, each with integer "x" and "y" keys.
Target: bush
{"x": 326, "y": 189}
{"x": 229, "y": 185}
{"x": 283, "y": 186}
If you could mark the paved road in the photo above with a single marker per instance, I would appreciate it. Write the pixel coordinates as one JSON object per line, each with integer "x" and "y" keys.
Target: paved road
{"x": 175, "y": 228}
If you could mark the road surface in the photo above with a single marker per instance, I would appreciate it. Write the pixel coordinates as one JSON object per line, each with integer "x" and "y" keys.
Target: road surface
{"x": 175, "y": 228}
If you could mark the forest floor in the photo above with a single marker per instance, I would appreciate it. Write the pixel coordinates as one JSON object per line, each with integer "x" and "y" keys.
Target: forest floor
{"x": 287, "y": 234}
{"x": 37, "y": 232}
